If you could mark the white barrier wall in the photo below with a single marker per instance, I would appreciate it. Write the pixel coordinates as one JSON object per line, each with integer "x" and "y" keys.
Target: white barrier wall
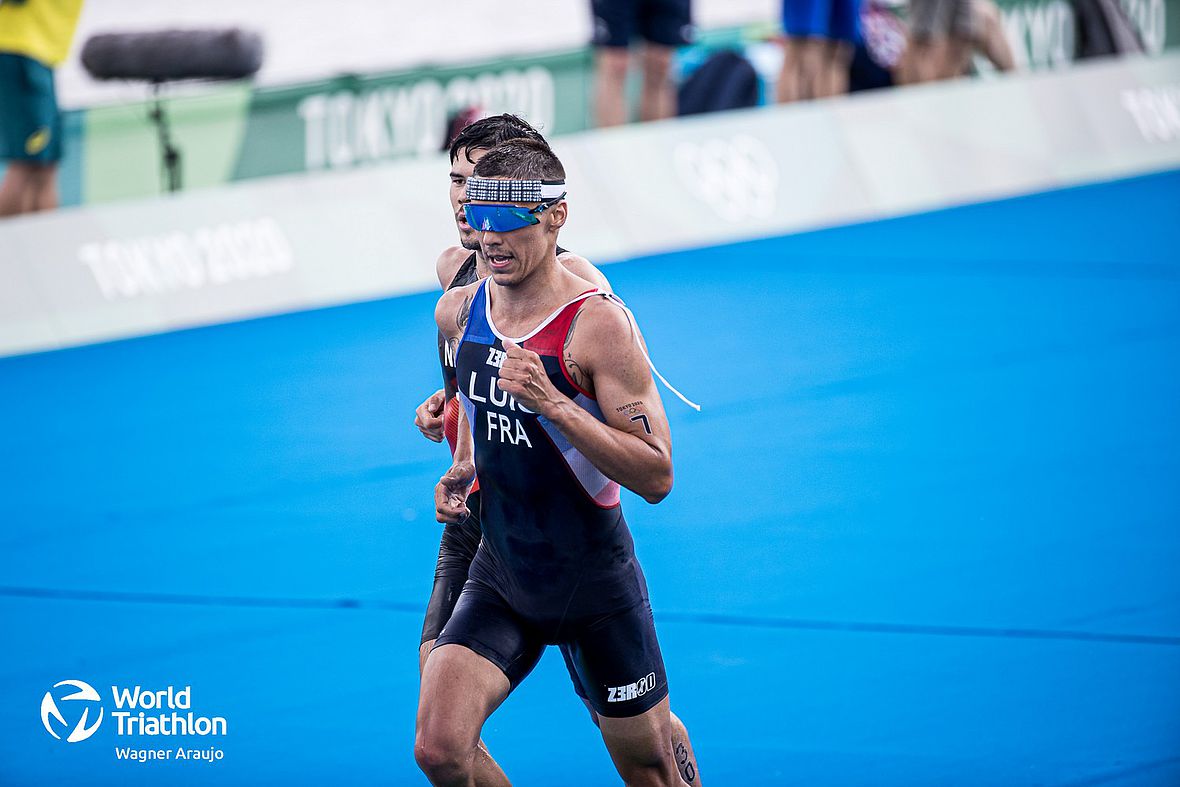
{"x": 284, "y": 244}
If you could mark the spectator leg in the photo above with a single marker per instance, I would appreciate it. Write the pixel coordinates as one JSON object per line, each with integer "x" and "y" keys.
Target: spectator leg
{"x": 989, "y": 35}
{"x": 610, "y": 65}
{"x": 43, "y": 195}
{"x": 790, "y": 79}
{"x": 815, "y": 67}
{"x": 955, "y": 57}
{"x": 658, "y": 100}
{"x": 16, "y": 192}
{"x": 839, "y": 62}
{"x": 924, "y": 59}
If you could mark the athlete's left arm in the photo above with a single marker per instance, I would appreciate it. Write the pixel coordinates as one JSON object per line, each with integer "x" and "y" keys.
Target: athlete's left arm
{"x": 634, "y": 445}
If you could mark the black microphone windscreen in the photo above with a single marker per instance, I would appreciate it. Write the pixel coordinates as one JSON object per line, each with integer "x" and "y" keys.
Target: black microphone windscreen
{"x": 173, "y": 54}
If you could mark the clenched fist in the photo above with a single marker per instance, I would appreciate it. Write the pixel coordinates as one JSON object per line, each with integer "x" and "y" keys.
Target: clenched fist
{"x": 429, "y": 416}
{"x": 450, "y": 495}
{"x": 523, "y": 376}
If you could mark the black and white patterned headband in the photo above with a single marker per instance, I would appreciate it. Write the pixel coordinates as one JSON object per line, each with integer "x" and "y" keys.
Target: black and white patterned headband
{"x": 496, "y": 190}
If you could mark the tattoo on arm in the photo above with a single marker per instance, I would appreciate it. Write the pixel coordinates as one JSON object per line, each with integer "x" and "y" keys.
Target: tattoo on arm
{"x": 634, "y": 409}
{"x": 575, "y": 371}
{"x": 463, "y": 314}
{"x": 569, "y": 335}
{"x": 646, "y": 423}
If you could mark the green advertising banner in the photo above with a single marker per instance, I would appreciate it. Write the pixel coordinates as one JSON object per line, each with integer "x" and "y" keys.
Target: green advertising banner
{"x": 237, "y": 131}
{"x": 359, "y": 119}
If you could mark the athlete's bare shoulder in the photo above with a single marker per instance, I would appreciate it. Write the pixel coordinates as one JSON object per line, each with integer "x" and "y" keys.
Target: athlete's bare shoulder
{"x": 448, "y": 264}
{"x": 600, "y": 333}
{"x": 584, "y": 269}
{"x": 453, "y": 309}
{"x": 605, "y": 320}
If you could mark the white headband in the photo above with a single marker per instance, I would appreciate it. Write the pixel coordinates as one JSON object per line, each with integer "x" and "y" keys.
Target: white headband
{"x": 497, "y": 190}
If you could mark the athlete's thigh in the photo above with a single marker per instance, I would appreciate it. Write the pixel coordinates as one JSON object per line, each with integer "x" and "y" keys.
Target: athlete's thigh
{"x": 460, "y": 689}
{"x": 484, "y": 623}
{"x": 572, "y": 668}
{"x": 480, "y": 656}
{"x": 617, "y": 662}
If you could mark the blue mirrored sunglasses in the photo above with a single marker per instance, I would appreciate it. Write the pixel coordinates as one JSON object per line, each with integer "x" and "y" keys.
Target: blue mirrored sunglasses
{"x": 505, "y": 218}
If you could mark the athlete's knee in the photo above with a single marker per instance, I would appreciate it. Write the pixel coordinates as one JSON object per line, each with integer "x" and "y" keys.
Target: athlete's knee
{"x": 445, "y": 759}
{"x": 438, "y": 747}
{"x": 441, "y": 766}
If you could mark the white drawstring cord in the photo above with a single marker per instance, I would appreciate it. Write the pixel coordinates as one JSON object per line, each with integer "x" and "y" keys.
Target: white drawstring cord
{"x": 635, "y": 324}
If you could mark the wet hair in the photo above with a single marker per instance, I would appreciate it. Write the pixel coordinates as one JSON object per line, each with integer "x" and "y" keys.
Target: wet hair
{"x": 521, "y": 159}
{"x": 492, "y": 131}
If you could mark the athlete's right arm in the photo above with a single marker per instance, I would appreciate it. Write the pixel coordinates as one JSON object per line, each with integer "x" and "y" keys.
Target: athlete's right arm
{"x": 450, "y": 495}
{"x": 429, "y": 416}
{"x": 451, "y": 313}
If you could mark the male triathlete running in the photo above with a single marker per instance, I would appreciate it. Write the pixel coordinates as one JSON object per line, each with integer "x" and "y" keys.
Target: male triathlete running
{"x": 571, "y": 413}
{"x": 437, "y": 416}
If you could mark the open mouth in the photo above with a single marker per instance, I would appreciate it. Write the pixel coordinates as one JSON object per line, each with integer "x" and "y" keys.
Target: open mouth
{"x": 499, "y": 261}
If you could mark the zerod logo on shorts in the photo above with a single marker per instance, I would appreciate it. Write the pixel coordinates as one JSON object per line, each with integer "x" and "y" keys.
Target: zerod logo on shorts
{"x": 85, "y": 699}
{"x": 632, "y": 690}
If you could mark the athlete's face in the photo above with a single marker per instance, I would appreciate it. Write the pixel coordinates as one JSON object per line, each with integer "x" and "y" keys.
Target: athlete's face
{"x": 461, "y": 169}
{"x": 513, "y": 256}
